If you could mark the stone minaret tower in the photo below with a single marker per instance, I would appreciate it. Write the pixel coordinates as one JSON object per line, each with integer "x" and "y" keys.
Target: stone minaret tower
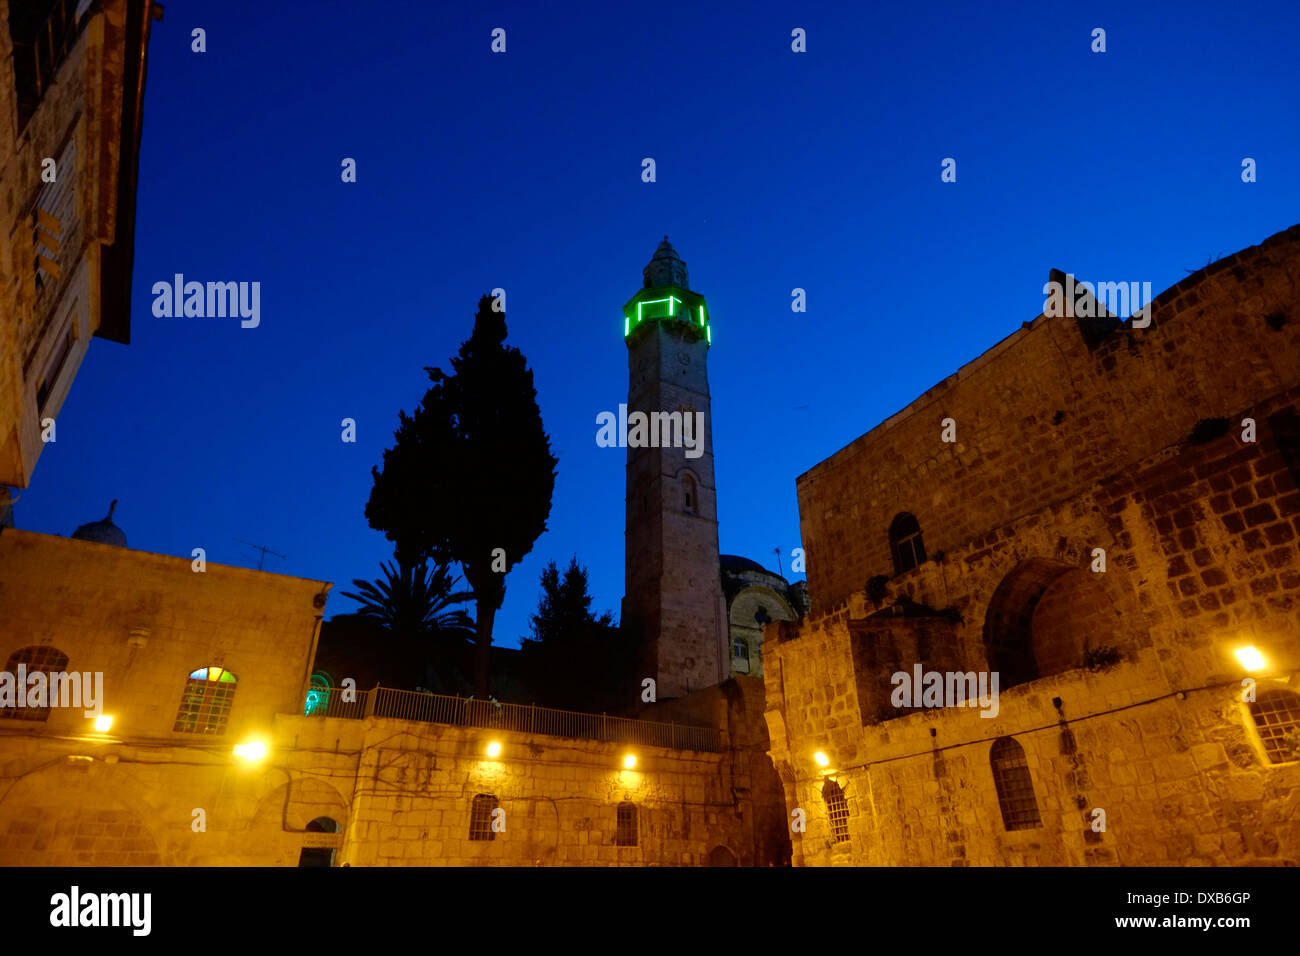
{"x": 673, "y": 601}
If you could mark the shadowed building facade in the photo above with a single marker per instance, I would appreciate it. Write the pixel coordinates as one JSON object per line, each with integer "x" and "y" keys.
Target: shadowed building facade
{"x": 71, "y": 102}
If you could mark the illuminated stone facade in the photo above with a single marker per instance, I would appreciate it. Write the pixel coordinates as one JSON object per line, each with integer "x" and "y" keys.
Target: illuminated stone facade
{"x": 1121, "y": 689}
{"x": 156, "y": 789}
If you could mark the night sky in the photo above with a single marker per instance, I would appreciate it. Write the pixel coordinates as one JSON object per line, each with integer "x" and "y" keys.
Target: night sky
{"x": 775, "y": 170}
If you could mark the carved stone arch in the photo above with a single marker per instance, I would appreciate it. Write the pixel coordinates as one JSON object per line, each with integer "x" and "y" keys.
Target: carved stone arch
{"x": 80, "y": 815}
{"x": 1047, "y": 617}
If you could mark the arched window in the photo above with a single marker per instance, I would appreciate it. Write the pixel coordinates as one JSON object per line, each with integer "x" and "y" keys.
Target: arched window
{"x": 480, "y": 817}
{"x": 35, "y": 659}
{"x": 838, "y": 808}
{"x": 206, "y": 702}
{"x": 905, "y": 543}
{"x": 626, "y": 833}
{"x": 1277, "y": 720}
{"x": 690, "y": 495}
{"x": 1014, "y": 785}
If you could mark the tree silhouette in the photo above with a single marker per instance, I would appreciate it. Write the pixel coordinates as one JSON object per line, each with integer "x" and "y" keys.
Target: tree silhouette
{"x": 470, "y": 476}
{"x": 564, "y": 608}
{"x": 416, "y": 607}
{"x": 414, "y": 602}
{"x": 578, "y": 660}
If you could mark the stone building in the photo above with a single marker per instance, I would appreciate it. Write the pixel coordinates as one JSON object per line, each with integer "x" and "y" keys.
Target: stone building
{"x": 755, "y": 597}
{"x": 697, "y": 615}
{"x": 196, "y": 666}
{"x": 673, "y": 604}
{"x": 71, "y": 99}
{"x": 1113, "y": 532}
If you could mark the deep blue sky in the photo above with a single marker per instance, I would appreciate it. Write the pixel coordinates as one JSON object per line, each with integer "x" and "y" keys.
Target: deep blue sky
{"x": 775, "y": 170}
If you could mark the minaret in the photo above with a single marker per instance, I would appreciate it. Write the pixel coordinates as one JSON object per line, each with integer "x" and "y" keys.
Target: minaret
{"x": 673, "y": 602}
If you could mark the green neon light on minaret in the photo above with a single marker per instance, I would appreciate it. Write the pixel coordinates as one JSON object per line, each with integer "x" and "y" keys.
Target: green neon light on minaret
{"x": 627, "y": 326}
{"x": 708, "y": 333}
{"x": 701, "y": 315}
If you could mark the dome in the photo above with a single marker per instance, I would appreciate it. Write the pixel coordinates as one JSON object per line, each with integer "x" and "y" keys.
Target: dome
{"x": 734, "y": 562}
{"x": 102, "y": 532}
{"x": 665, "y": 268}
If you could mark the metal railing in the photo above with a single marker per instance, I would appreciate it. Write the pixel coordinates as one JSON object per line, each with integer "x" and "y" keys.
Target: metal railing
{"x": 522, "y": 718}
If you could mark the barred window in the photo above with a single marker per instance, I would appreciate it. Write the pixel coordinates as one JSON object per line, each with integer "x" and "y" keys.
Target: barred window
{"x": 838, "y": 807}
{"x": 626, "y": 835}
{"x": 480, "y": 817}
{"x": 37, "y": 658}
{"x": 1014, "y": 785}
{"x": 206, "y": 702}
{"x": 1277, "y": 720}
{"x": 905, "y": 543}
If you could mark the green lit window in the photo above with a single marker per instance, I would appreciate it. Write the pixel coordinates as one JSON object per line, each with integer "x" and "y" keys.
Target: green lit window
{"x": 206, "y": 701}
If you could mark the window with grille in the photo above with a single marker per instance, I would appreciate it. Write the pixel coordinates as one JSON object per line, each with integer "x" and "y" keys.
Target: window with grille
{"x": 690, "y": 495}
{"x": 838, "y": 808}
{"x": 480, "y": 817}
{"x": 205, "y": 704}
{"x": 626, "y": 833}
{"x": 1014, "y": 785}
{"x": 905, "y": 543}
{"x": 1277, "y": 720}
{"x": 46, "y": 660}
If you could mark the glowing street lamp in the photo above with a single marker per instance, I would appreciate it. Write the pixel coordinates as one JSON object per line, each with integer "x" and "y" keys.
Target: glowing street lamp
{"x": 494, "y": 749}
{"x": 822, "y": 759}
{"x": 252, "y": 751}
{"x": 629, "y": 762}
{"x": 103, "y": 723}
{"x": 1251, "y": 659}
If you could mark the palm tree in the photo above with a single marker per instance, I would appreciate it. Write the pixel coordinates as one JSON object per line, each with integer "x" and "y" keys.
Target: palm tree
{"x": 415, "y": 601}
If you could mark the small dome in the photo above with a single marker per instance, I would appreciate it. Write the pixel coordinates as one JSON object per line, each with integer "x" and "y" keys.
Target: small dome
{"x": 102, "y": 532}
{"x": 734, "y": 562}
{"x": 665, "y": 268}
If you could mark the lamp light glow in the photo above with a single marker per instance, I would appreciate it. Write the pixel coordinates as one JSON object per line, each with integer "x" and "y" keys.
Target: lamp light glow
{"x": 629, "y": 762}
{"x": 1251, "y": 659}
{"x": 494, "y": 749}
{"x": 252, "y": 751}
{"x": 103, "y": 723}
{"x": 822, "y": 759}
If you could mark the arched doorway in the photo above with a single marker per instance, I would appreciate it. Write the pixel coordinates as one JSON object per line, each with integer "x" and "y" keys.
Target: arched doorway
{"x": 320, "y": 850}
{"x": 721, "y": 856}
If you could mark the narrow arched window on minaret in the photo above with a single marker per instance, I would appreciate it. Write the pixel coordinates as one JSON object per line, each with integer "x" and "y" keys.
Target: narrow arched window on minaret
{"x": 672, "y": 605}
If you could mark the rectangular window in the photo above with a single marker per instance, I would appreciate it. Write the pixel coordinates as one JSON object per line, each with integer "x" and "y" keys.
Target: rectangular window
{"x": 54, "y": 368}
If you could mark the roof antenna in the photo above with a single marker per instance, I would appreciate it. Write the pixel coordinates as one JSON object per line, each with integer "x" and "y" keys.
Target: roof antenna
{"x": 256, "y": 547}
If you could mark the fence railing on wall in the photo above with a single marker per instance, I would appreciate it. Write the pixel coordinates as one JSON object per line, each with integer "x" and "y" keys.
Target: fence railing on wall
{"x": 524, "y": 718}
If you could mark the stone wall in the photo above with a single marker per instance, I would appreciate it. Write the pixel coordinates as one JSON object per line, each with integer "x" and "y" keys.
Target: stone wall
{"x": 401, "y": 792}
{"x": 1121, "y": 685}
{"x": 86, "y": 599}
